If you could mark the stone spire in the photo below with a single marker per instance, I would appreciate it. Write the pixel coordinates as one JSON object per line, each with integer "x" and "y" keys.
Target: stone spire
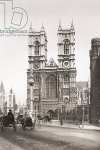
{"x": 2, "y": 87}
{"x": 59, "y": 26}
{"x": 72, "y": 25}
{"x": 42, "y": 28}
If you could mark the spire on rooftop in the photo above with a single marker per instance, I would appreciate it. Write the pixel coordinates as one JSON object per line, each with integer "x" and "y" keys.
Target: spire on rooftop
{"x": 72, "y": 25}
{"x": 59, "y": 26}
{"x": 42, "y": 28}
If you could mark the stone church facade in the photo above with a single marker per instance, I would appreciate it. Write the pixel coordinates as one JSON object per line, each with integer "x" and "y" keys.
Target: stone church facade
{"x": 51, "y": 86}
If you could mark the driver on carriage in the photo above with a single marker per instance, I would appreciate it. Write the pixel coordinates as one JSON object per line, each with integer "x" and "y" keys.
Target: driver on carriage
{"x": 10, "y": 116}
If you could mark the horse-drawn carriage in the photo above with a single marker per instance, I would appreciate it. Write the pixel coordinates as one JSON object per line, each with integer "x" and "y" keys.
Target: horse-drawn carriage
{"x": 25, "y": 121}
{"x": 6, "y": 121}
{"x": 9, "y": 121}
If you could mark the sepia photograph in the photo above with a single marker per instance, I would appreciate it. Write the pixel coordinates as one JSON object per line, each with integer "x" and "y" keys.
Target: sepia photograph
{"x": 49, "y": 75}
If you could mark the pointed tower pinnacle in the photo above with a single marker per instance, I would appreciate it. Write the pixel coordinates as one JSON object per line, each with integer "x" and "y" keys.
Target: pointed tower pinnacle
{"x": 72, "y": 25}
{"x": 59, "y": 27}
{"x": 42, "y": 28}
{"x": 2, "y": 89}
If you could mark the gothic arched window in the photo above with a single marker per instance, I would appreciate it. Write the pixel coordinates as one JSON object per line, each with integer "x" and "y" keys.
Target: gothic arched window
{"x": 51, "y": 87}
{"x": 66, "y": 77}
{"x": 66, "y": 46}
{"x": 36, "y": 48}
{"x": 37, "y": 78}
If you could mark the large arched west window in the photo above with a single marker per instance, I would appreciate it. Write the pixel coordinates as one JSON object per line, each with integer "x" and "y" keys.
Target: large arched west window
{"x": 37, "y": 45}
{"x": 51, "y": 87}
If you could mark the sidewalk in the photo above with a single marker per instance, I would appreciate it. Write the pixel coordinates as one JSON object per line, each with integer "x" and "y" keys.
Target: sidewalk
{"x": 72, "y": 126}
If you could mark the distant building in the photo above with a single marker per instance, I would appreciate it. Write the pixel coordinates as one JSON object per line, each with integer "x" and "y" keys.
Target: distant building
{"x": 95, "y": 80}
{"x": 22, "y": 109}
{"x": 51, "y": 86}
{"x": 11, "y": 101}
{"x": 83, "y": 100}
{"x": 82, "y": 93}
{"x": 7, "y": 101}
{"x": 2, "y": 97}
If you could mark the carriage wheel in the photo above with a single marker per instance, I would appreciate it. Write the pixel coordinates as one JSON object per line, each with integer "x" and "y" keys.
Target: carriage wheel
{"x": 14, "y": 127}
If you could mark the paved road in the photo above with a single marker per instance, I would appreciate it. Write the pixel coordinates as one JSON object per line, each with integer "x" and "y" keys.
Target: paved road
{"x": 49, "y": 138}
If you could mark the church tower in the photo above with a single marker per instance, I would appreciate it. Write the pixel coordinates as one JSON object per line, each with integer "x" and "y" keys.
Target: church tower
{"x": 37, "y": 59}
{"x": 66, "y": 64}
{"x": 2, "y": 97}
{"x": 37, "y": 48}
{"x": 66, "y": 47}
{"x": 51, "y": 86}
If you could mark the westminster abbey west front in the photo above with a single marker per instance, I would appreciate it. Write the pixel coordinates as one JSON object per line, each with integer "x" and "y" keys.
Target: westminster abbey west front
{"x": 51, "y": 86}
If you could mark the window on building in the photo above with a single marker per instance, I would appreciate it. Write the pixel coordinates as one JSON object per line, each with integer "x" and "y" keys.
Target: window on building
{"x": 51, "y": 87}
{"x": 36, "y": 48}
{"x": 36, "y": 92}
{"x": 66, "y": 46}
{"x": 66, "y": 78}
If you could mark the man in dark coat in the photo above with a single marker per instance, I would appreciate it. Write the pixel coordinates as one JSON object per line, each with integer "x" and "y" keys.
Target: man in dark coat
{"x": 10, "y": 116}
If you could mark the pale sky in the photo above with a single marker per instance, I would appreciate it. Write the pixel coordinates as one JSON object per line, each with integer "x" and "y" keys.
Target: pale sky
{"x": 14, "y": 51}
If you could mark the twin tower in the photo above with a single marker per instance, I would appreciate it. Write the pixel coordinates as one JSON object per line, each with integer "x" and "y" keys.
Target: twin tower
{"x": 51, "y": 86}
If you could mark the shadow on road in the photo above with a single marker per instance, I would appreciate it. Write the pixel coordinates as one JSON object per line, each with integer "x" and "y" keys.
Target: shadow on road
{"x": 33, "y": 140}
{"x": 43, "y": 140}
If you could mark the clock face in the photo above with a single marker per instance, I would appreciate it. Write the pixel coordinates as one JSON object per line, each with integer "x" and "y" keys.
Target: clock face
{"x": 36, "y": 65}
{"x": 66, "y": 64}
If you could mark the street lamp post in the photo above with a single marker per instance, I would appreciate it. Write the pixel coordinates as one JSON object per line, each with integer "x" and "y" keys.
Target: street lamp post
{"x": 83, "y": 108}
{"x": 83, "y": 115}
